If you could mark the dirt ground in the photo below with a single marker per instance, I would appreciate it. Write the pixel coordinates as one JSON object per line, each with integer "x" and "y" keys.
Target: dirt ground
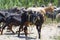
{"x": 48, "y": 32}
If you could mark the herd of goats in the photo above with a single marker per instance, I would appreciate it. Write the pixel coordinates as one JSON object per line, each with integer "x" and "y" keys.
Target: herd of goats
{"x": 23, "y": 17}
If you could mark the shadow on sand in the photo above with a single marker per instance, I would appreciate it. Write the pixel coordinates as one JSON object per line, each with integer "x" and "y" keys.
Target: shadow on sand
{"x": 27, "y": 38}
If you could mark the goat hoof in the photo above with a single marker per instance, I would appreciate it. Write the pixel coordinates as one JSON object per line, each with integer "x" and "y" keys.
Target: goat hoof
{"x": 18, "y": 35}
{"x": 39, "y": 37}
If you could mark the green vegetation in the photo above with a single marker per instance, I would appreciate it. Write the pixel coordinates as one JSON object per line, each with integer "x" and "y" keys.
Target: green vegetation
{"x": 5, "y": 4}
{"x": 49, "y": 21}
{"x": 58, "y": 19}
{"x": 57, "y": 37}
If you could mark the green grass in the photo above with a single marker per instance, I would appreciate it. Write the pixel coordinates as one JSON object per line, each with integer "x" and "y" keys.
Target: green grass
{"x": 58, "y": 19}
{"x": 5, "y": 4}
{"x": 57, "y": 37}
{"x": 48, "y": 21}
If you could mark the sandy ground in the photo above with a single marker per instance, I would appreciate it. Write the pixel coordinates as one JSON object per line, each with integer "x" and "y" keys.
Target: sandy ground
{"x": 48, "y": 31}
